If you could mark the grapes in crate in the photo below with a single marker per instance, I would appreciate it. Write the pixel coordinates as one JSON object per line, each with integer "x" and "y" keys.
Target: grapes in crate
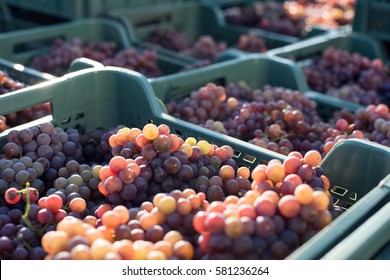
{"x": 270, "y": 16}
{"x": 292, "y": 18}
{"x": 349, "y": 76}
{"x": 205, "y": 47}
{"x": 62, "y": 53}
{"x": 8, "y": 84}
{"x": 143, "y": 200}
{"x": 275, "y": 118}
{"x": 289, "y": 203}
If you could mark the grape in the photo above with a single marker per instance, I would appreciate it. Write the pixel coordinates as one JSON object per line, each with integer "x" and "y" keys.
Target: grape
{"x": 251, "y": 43}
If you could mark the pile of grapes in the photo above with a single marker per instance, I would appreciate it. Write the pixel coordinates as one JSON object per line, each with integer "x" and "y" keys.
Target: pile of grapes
{"x": 349, "y": 76}
{"x": 276, "y": 118}
{"x": 292, "y": 17}
{"x": 62, "y": 53}
{"x": 153, "y": 195}
{"x": 269, "y": 15}
{"x": 205, "y": 47}
{"x": 8, "y": 84}
{"x": 323, "y": 13}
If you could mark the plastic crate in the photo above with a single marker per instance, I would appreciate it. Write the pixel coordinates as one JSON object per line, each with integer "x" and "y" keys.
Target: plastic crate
{"x": 192, "y": 18}
{"x": 371, "y": 18}
{"x": 11, "y": 20}
{"x": 256, "y": 70}
{"x": 80, "y": 100}
{"x": 21, "y": 46}
{"x": 303, "y": 51}
{"x": 359, "y": 171}
{"x": 370, "y": 240}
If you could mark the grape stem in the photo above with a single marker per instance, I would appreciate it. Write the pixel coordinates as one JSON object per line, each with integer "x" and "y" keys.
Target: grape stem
{"x": 25, "y": 218}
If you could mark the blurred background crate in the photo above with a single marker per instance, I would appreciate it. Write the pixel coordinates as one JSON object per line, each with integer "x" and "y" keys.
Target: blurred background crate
{"x": 13, "y": 18}
{"x": 372, "y": 19}
{"x": 23, "y": 46}
{"x": 187, "y": 22}
{"x": 311, "y": 53}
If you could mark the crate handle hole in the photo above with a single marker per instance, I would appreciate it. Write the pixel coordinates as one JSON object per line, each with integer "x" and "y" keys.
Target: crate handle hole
{"x": 339, "y": 190}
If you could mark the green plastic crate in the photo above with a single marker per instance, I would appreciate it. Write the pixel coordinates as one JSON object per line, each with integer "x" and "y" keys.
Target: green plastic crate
{"x": 7, "y": 20}
{"x": 369, "y": 241}
{"x": 372, "y": 18}
{"x": 303, "y": 51}
{"x": 256, "y": 70}
{"x": 359, "y": 170}
{"x": 22, "y": 45}
{"x": 192, "y": 18}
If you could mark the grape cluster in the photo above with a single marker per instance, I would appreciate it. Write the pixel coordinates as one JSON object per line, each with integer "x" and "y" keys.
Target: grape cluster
{"x": 348, "y": 76}
{"x": 8, "y": 84}
{"x": 326, "y": 14}
{"x": 170, "y": 39}
{"x": 118, "y": 233}
{"x": 275, "y": 118}
{"x": 372, "y": 121}
{"x": 270, "y": 16}
{"x": 62, "y": 53}
{"x": 46, "y": 147}
{"x": 288, "y": 204}
{"x": 153, "y": 160}
{"x": 251, "y": 43}
{"x": 278, "y": 119}
{"x": 205, "y": 48}
{"x": 17, "y": 241}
